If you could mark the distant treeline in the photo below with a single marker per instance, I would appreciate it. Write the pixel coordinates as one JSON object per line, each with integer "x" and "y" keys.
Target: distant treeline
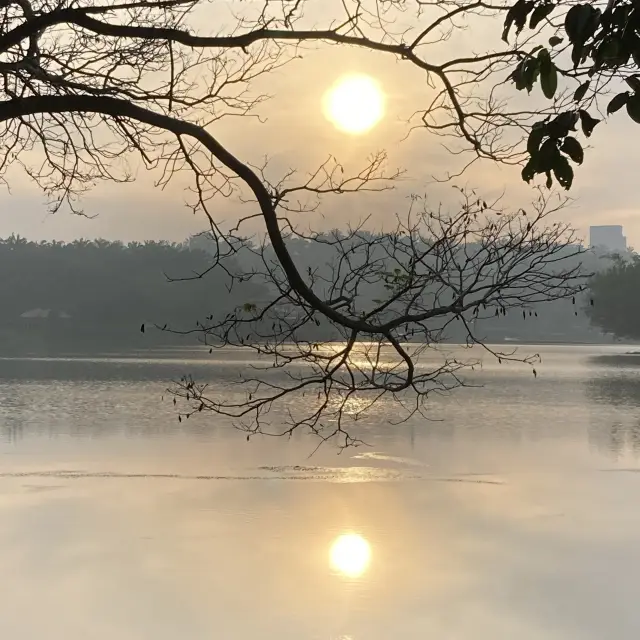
{"x": 560, "y": 321}
{"x": 95, "y": 295}
{"x": 616, "y": 293}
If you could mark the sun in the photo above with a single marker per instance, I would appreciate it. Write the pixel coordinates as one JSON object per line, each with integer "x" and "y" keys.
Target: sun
{"x": 354, "y": 104}
{"x": 350, "y": 555}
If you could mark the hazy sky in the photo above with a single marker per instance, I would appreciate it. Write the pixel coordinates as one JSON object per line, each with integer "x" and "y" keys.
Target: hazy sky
{"x": 296, "y": 134}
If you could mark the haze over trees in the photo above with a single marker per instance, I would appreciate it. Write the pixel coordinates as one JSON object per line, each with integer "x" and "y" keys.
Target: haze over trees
{"x": 561, "y": 320}
{"x": 157, "y": 80}
{"x": 92, "y": 295}
{"x": 88, "y": 296}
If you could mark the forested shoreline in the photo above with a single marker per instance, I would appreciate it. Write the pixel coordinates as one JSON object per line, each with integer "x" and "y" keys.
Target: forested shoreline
{"x": 95, "y": 295}
{"x": 88, "y": 296}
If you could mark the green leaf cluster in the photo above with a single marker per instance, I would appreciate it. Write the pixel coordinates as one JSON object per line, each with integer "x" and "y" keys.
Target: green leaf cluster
{"x": 604, "y": 43}
{"x": 550, "y": 146}
{"x": 541, "y": 67}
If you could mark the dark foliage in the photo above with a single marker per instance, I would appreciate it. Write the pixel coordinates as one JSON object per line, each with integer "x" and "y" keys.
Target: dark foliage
{"x": 593, "y": 44}
{"x": 92, "y": 295}
{"x": 616, "y": 303}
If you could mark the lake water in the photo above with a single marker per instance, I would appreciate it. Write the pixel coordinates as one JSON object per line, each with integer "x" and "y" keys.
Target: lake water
{"x": 513, "y": 514}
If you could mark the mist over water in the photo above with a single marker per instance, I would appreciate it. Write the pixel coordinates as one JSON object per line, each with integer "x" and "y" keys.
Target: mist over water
{"x": 512, "y": 513}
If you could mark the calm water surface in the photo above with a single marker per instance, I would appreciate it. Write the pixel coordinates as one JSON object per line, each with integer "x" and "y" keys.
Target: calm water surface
{"x": 514, "y": 513}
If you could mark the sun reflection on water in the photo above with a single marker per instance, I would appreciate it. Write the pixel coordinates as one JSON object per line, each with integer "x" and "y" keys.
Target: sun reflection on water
{"x": 350, "y": 555}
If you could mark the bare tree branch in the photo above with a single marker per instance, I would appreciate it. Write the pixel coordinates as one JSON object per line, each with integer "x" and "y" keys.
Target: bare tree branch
{"x": 87, "y": 85}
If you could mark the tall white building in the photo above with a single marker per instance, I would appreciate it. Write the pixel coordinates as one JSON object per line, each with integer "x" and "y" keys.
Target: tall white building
{"x": 609, "y": 237}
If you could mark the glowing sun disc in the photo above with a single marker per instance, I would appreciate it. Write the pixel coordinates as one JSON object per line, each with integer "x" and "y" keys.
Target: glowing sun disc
{"x": 354, "y": 104}
{"x": 350, "y": 555}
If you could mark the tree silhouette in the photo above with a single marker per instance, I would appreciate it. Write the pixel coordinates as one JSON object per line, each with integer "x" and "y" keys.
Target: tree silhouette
{"x": 86, "y": 84}
{"x": 104, "y": 291}
{"x": 614, "y": 293}
{"x": 595, "y": 48}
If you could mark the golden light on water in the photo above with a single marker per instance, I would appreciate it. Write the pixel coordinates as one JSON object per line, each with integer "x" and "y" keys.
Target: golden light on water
{"x": 350, "y": 555}
{"x": 354, "y": 104}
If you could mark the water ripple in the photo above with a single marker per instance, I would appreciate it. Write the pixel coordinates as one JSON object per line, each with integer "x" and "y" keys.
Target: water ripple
{"x": 322, "y": 474}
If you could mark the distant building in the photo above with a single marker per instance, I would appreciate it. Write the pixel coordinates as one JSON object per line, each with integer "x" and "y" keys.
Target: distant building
{"x": 608, "y": 237}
